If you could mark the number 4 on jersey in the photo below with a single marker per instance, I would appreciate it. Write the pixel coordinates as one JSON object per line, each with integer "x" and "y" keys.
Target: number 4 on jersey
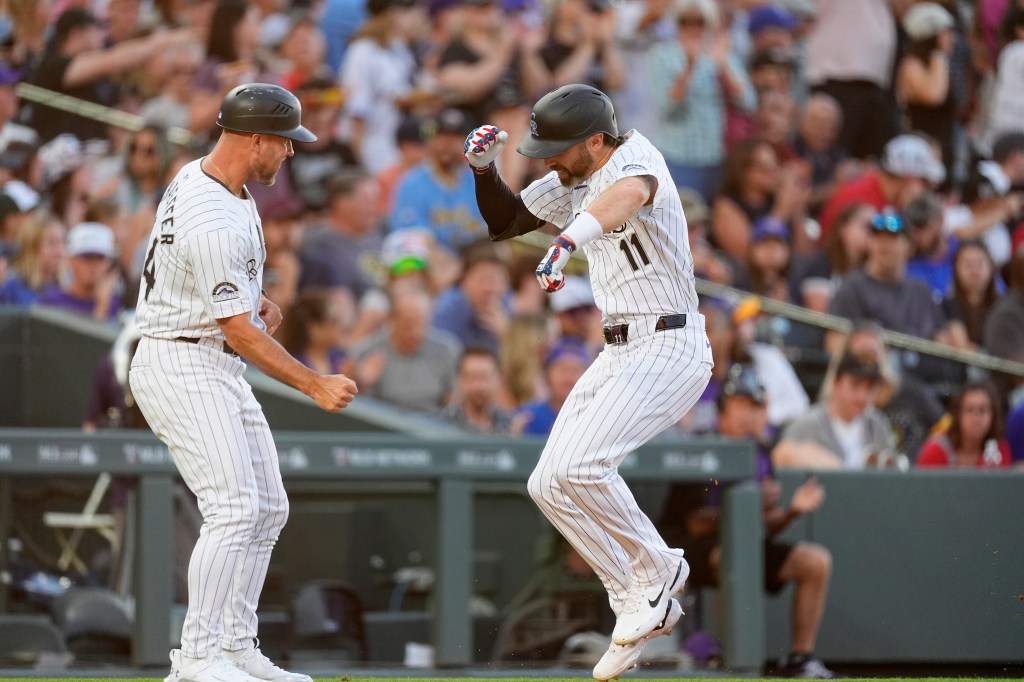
{"x": 624, "y": 244}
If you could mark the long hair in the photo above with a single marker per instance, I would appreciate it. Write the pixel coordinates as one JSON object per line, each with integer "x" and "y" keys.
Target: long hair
{"x": 974, "y": 316}
{"x": 520, "y": 358}
{"x": 835, "y": 250}
{"x": 309, "y": 307}
{"x": 995, "y": 430}
{"x": 220, "y": 42}
{"x": 27, "y": 262}
{"x": 736, "y": 164}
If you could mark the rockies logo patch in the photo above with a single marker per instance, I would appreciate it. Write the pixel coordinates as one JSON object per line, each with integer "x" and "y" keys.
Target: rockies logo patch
{"x": 225, "y": 291}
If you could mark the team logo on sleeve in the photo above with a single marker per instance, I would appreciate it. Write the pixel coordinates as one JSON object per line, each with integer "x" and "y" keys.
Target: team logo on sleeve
{"x": 225, "y": 291}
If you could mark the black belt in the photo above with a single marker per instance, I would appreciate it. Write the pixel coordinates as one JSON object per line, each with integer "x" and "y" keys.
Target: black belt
{"x": 619, "y": 333}
{"x": 224, "y": 347}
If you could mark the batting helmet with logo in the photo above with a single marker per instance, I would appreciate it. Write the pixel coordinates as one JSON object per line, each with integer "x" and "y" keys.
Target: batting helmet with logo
{"x": 567, "y": 116}
{"x": 264, "y": 109}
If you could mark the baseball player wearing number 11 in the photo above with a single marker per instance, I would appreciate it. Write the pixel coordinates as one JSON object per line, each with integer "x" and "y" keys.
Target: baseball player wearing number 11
{"x": 612, "y": 196}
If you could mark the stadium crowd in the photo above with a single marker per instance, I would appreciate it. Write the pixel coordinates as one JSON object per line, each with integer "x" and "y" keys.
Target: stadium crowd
{"x": 860, "y": 158}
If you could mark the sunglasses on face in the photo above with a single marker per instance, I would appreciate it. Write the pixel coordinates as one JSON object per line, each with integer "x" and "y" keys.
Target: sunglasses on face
{"x": 691, "y": 22}
{"x": 887, "y": 222}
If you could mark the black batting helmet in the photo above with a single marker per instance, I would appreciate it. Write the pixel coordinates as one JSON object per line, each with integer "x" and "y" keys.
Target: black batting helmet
{"x": 264, "y": 109}
{"x": 567, "y": 116}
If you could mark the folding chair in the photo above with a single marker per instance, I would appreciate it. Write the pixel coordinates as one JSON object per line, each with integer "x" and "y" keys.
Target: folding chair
{"x": 88, "y": 519}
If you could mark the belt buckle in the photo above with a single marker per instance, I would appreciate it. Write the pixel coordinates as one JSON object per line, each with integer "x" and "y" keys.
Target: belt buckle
{"x": 616, "y": 334}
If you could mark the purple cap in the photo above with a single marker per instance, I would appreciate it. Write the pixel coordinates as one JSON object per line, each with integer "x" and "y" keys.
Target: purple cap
{"x": 573, "y": 350}
{"x": 769, "y": 16}
{"x": 769, "y": 227}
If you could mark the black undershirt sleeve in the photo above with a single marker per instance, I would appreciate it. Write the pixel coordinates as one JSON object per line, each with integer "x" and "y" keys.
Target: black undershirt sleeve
{"x": 504, "y": 212}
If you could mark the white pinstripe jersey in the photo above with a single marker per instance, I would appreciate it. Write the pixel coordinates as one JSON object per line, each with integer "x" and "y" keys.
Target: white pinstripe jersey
{"x": 644, "y": 267}
{"x": 204, "y": 260}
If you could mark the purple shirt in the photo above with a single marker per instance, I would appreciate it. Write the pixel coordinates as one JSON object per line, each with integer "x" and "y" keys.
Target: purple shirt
{"x": 55, "y": 297}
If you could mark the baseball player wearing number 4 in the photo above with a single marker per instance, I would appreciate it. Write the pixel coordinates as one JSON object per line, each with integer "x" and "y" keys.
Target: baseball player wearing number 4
{"x": 200, "y": 310}
{"x": 613, "y": 198}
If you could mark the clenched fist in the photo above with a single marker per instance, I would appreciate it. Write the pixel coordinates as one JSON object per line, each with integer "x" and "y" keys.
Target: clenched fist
{"x": 332, "y": 392}
{"x": 484, "y": 145}
{"x": 549, "y": 270}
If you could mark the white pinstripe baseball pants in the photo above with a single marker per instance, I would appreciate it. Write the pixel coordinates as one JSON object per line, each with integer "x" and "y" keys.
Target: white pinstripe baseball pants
{"x": 198, "y": 404}
{"x": 631, "y": 393}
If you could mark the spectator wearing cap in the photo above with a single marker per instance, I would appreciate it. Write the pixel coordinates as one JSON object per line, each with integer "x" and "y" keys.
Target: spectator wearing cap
{"x": 37, "y": 265}
{"x": 932, "y": 248}
{"x": 564, "y": 364}
{"x": 377, "y": 75}
{"x": 924, "y": 85}
{"x": 337, "y": 252}
{"x": 690, "y": 519}
{"x": 882, "y": 292}
{"x": 475, "y": 311}
{"x": 908, "y": 166}
{"x": 311, "y": 171}
{"x": 850, "y": 53}
{"x": 755, "y": 185}
{"x": 475, "y": 405}
{"x": 845, "y": 431}
{"x": 92, "y": 288}
{"x": 576, "y": 314}
{"x": 694, "y": 81}
{"x": 771, "y": 27}
{"x": 993, "y": 196}
{"x": 11, "y": 131}
{"x": 440, "y": 193}
{"x": 75, "y": 63}
{"x": 768, "y": 260}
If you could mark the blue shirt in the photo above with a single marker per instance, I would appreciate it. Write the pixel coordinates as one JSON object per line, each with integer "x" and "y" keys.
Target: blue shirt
{"x": 453, "y": 314}
{"x": 1015, "y": 432}
{"x": 938, "y": 275}
{"x": 423, "y": 200}
{"x": 16, "y": 291}
{"x": 541, "y": 418}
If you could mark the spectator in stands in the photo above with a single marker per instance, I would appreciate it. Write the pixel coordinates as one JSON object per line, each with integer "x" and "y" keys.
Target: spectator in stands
{"x": 526, "y": 299}
{"x": 772, "y": 71}
{"x": 923, "y": 80}
{"x": 93, "y": 286}
{"x": 412, "y": 151}
{"x": 721, "y": 331}
{"x": 774, "y": 122}
{"x": 975, "y": 435}
{"x": 377, "y": 75}
{"x": 693, "y": 81}
{"x": 707, "y": 262}
{"x": 850, "y": 53}
{"x": 522, "y": 353}
{"x": 756, "y": 185}
{"x": 37, "y": 265}
{"x": 564, "y": 364}
{"x": 1004, "y": 328}
{"x": 11, "y": 131}
{"x": 407, "y": 363}
{"x": 303, "y": 48}
{"x": 881, "y": 290}
{"x": 314, "y": 331}
{"x": 1015, "y": 432}
{"x": 932, "y": 248}
{"x": 974, "y": 291}
{"x": 12, "y": 221}
{"x": 911, "y": 405}
{"x": 440, "y": 193}
{"x": 576, "y": 315}
{"x": 580, "y": 45}
{"x": 171, "y": 74}
{"x": 992, "y": 192}
{"x": 843, "y": 432}
{"x": 1006, "y": 104}
{"x": 311, "y": 171}
{"x": 817, "y": 143}
{"x": 845, "y": 251}
{"x": 335, "y": 252}
{"x": 690, "y": 518}
{"x": 232, "y": 41}
{"x": 475, "y": 407}
{"x": 75, "y": 63}
{"x": 66, "y": 177}
{"x": 908, "y": 167}
{"x": 475, "y": 311}
{"x": 771, "y": 27}
{"x": 137, "y": 184}
{"x": 768, "y": 260}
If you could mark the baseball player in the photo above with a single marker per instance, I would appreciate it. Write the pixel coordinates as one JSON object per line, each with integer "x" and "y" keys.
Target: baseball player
{"x": 200, "y": 311}
{"x": 612, "y": 196}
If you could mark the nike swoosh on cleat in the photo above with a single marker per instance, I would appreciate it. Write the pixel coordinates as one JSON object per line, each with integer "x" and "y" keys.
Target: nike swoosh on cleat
{"x": 654, "y": 602}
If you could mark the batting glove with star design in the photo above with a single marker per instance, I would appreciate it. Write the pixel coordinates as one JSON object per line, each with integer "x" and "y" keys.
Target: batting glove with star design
{"x": 549, "y": 272}
{"x": 484, "y": 145}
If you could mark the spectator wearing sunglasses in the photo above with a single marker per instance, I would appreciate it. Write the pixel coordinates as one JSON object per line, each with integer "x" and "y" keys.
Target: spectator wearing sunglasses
{"x": 881, "y": 291}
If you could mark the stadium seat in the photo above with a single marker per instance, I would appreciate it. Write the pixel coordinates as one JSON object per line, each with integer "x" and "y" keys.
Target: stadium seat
{"x": 96, "y": 623}
{"x": 28, "y": 639}
{"x": 327, "y": 623}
